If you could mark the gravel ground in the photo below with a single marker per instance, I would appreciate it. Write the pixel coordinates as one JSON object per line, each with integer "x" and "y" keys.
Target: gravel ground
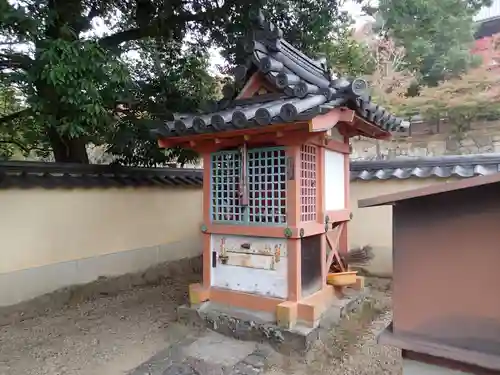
{"x": 106, "y": 336}
{"x": 351, "y": 347}
{"x": 112, "y": 335}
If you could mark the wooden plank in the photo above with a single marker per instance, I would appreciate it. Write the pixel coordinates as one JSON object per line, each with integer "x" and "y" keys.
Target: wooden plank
{"x": 258, "y": 261}
{"x": 333, "y": 248}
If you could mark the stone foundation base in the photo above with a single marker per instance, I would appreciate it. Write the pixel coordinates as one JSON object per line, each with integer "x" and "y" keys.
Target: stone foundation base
{"x": 250, "y": 325}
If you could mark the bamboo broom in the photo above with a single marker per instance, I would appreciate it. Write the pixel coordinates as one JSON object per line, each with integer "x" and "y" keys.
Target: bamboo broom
{"x": 358, "y": 257}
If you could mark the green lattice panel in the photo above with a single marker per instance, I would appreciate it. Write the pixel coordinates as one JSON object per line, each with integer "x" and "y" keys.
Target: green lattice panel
{"x": 267, "y": 186}
{"x": 225, "y": 171}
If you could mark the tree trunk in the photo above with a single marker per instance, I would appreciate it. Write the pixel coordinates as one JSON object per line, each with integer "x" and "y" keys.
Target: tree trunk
{"x": 65, "y": 149}
{"x": 68, "y": 150}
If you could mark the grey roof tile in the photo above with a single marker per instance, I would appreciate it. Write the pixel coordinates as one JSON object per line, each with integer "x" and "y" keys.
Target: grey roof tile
{"x": 306, "y": 85}
{"x": 441, "y": 167}
{"x": 56, "y": 175}
{"x": 488, "y": 12}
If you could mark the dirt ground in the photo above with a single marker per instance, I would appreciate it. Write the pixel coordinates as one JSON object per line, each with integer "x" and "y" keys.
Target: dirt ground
{"x": 350, "y": 348}
{"x": 111, "y": 335}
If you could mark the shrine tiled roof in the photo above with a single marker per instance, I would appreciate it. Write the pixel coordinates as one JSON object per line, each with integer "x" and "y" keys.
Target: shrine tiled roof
{"x": 305, "y": 87}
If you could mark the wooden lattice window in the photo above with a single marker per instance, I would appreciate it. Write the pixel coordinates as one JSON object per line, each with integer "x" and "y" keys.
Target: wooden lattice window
{"x": 226, "y": 168}
{"x": 308, "y": 183}
{"x": 266, "y": 187}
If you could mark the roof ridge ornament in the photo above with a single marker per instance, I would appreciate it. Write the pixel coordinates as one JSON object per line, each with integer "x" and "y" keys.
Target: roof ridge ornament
{"x": 323, "y": 62}
{"x": 259, "y": 21}
{"x": 257, "y": 17}
{"x": 304, "y": 87}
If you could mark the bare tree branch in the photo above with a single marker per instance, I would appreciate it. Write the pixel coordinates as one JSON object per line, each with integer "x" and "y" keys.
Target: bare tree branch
{"x": 15, "y": 115}
{"x": 15, "y": 60}
{"x": 389, "y": 80}
{"x": 150, "y": 30}
{"x": 116, "y": 39}
{"x": 22, "y": 147}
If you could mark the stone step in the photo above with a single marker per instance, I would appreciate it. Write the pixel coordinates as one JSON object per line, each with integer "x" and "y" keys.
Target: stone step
{"x": 248, "y": 325}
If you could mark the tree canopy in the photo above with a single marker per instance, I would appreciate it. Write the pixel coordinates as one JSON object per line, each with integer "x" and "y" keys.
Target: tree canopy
{"x": 472, "y": 96}
{"x": 80, "y": 86}
{"x": 10, "y": 144}
{"x": 76, "y": 73}
{"x": 388, "y": 75}
{"x": 436, "y": 34}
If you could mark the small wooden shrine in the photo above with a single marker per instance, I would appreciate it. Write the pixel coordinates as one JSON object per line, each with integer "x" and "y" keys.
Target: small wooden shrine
{"x": 275, "y": 153}
{"x": 446, "y": 306}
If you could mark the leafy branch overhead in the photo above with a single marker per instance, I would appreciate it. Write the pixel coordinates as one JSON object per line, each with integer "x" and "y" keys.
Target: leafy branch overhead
{"x": 388, "y": 75}
{"x": 425, "y": 65}
{"x": 77, "y": 87}
{"x": 436, "y": 34}
{"x": 473, "y": 95}
{"x": 88, "y": 72}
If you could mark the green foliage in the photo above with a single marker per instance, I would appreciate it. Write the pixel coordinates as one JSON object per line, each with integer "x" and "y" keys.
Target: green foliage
{"x": 436, "y": 34}
{"x": 307, "y": 24}
{"x": 9, "y": 104}
{"x": 170, "y": 80}
{"x": 80, "y": 88}
{"x": 77, "y": 82}
{"x": 347, "y": 56}
{"x": 473, "y": 96}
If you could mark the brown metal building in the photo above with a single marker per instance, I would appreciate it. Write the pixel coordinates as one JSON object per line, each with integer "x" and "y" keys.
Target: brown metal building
{"x": 446, "y": 300}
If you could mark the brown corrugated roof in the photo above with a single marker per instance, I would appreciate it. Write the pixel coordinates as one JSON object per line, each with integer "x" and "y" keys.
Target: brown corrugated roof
{"x": 429, "y": 190}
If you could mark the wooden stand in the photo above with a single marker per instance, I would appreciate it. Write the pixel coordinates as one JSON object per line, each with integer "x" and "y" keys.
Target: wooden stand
{"x": 280, "y": 266}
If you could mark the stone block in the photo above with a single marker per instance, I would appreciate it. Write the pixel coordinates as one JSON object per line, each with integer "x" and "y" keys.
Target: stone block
{"x": 311, "y": 309}
{"x": 189, "y": 316}
{"x": 286, "y": 314}
{"x": 360, "y": 284}
{"x": 198, "y": 294}
{"x": 308, "y": 314}
{"x": 251, "y": 326}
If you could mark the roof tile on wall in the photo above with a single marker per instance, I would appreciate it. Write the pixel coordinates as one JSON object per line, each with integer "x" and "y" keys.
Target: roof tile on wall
{"x": 441, "y": 167}
{"x": 55, "y": 175}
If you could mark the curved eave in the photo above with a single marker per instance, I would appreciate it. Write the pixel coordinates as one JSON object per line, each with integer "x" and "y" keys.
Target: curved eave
{"x": 311, "y": 124}
{"x": 367, "y": 119}
{"x": 302, "y": 88}
{"x": 277, "y": 132}
{"x": 250, "y": 115}
{"x": 367, "y": 129}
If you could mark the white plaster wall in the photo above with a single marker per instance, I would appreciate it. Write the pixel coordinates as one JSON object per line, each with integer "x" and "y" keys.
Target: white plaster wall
{"x": 334, "y": 181}
{"x": 40, "y": 227}
{"x": 272, "y": 283}
{"x": 418, "y": 368}
{"x": 50, "y": 239}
